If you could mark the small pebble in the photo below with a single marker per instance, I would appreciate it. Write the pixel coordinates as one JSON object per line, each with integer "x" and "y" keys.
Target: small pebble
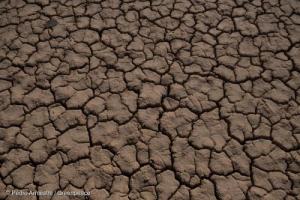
{"x": 51, "y": 23}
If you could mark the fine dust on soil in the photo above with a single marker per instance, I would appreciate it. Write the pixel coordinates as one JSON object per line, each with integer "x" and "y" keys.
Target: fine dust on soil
{"x": 144, "y": 100}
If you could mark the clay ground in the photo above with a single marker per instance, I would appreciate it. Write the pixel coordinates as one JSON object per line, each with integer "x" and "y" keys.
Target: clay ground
{"x": 144, "y": 100}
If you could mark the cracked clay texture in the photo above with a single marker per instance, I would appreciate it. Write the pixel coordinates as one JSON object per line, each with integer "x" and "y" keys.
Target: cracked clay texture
{"x": 146, "y": 100}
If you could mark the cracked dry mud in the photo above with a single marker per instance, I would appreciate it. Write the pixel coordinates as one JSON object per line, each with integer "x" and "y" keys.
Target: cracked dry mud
{"x": 142, "y": 100}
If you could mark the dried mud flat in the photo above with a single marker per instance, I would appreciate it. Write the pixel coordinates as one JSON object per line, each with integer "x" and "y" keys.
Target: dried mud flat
{"x": 144, "y": 100}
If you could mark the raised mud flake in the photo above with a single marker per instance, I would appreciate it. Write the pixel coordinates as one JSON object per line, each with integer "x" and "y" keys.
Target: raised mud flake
{"x": 232, "y": 187}
{"x": 43, "y": 53}
{"x": 69, "y": 119}
{"x": 46, "y": 175}
{"x": 221, "y": 164}
{"x": 8, "y": 138}
{"x": 178, "y": 122}
{"x": 100, "y": 156}
{"x": 104, "y": 132}
{"x": 205, "y": 192}
{"x": 22, "y": 176}
{"x": 143, "y": 178}
{"x": 151, "y": 95}
{"x": 293, "y": 53}
{"x": 114, "y": 137}
{"x": 126, "y": 159}
{"x": 184, "y": 163}
{"x": 38, "y": 97}
{"x": 120, "y": 185}
{"x": 12, "y": 161}
{"x": 12, "y": 116}
{"x": 167, "y": 184}
{"x": 75, "y": 143}
{"x": 159, "y": 152}
{"x": 85, "y": 35}
{"x": 115, "y": 110}
{"x": 76, "y": 60}
{"x": 240, "y": 127}
{"x": 247, "y": 48}
{"x": 209, "y": 132}
{"x": 41, "y": 149}
{"x": 79, "y": 98}
{"x": 245, "y": 27}
{"x": 239, "y": 159}
{"x": 157, "y": 64}
{"x": 95, "y": 106}
{"x": 28, "y": 10}
{"x": 149, "y": 118}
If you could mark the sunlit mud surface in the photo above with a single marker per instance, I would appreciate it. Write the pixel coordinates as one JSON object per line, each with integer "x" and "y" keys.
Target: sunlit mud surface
{"x": 145, "y": 100}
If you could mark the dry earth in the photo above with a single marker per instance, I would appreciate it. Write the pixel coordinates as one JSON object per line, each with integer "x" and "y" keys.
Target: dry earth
{"x": 142, "y": 100}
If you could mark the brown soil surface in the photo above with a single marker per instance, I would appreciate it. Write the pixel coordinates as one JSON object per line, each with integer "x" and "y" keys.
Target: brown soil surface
{"x": 145, "y": 100}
